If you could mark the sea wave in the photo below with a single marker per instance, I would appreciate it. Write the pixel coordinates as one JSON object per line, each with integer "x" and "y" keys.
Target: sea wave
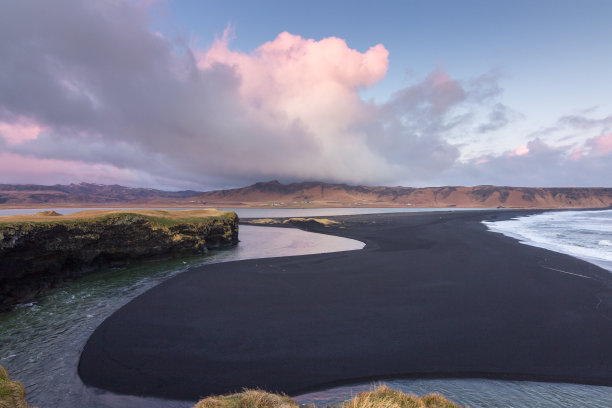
{"x": 584, "y": 234}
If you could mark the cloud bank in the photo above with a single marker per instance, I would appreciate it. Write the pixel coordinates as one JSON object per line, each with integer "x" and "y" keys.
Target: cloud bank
{"x": 89, "y": 93}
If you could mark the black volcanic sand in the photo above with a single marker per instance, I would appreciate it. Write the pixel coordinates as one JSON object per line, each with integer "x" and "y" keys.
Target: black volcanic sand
{"x": 432, "y": 294}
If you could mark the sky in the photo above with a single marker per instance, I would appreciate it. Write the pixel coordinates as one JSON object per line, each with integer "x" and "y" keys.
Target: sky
{"x": 209, "y": 94}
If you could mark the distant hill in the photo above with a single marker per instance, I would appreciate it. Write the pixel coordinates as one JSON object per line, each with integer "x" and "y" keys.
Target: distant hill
{"x": 324, "y": 194}
{"x": 83, "y": 194}
{"x": 306, "y": 194}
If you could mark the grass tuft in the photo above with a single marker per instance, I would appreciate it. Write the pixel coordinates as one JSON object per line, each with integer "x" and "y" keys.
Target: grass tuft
{"x": 264, "y": 221}
{"x": 437, "y": 401}
{"x": 12, "y": 393}
{"x": 323, "y": 221}
{"x": 295, "y": 220}
{"x": 48, "y": 214}
{"x": 385, "y": 397}
{"x": 248, "y": 399}
{"x": 381, "y": 397}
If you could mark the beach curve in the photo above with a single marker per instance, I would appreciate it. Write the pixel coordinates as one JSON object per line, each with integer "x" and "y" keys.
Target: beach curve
{"x": 432, "y": 294}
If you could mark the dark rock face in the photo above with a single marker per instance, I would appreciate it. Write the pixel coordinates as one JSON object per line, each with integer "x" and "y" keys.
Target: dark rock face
{"x": 37, "y": 256}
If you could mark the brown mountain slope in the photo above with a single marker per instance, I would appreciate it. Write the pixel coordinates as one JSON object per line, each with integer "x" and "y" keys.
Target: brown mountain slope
{"x": 322, "y": 194}
{"x": 84, "y": 195}
{"x": 306, "y": 194}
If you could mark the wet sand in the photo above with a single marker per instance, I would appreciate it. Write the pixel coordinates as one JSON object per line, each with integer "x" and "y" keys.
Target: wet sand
{"x": 431, "y": 295}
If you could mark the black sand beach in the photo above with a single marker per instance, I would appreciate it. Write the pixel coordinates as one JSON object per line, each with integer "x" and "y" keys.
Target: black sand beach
{"x": 432, "y": 294}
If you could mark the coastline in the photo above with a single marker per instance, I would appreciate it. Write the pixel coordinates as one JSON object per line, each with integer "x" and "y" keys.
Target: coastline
{"x": 432, "y": 294}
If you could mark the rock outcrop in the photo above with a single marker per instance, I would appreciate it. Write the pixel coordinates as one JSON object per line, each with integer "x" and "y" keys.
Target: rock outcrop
{"x": 40, "y": 251}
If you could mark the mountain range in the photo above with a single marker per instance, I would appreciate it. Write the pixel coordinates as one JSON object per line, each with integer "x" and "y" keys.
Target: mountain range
{"x": 304, "y": 194}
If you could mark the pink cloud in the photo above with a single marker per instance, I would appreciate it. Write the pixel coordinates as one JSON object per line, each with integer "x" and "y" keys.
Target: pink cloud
{"x": 313, "y": 82}
{"x": 519, "y": 151}
{"x": 445, "y": 90}
{"x": 20, "y": 131}
{"x": 15, "y": 168}
{"x": 308, "y": 91}
{"x": 290, "y": 58}
{"x": 600, "y": 145}
{"x": 439, "y": 78}
{"x": 435, "y": 95}
{"x": 576, "y": 153}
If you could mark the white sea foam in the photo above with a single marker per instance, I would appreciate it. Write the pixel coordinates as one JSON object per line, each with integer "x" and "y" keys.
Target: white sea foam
{"x": 584, "y": 234}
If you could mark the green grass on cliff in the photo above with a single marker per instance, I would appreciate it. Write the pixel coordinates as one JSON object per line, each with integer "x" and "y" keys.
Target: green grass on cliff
{"x": 158, "y": 218}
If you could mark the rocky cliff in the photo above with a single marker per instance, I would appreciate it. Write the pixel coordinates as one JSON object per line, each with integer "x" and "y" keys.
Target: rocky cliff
{"x": 40, "y": 251}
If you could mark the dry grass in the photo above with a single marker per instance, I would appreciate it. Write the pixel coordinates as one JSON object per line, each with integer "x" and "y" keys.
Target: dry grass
{"x": 264, "y": 221}
{"x": 381, "y": 397}
{"x": 437, "y": 401}
{"x": 52, "y": 216}
{"x": 323, "y": 221}
{"x": 248, "y": 399}
{"x": 12, "y": 393}
{"x": 385, "y": 397}
{"x": 271, "y": 221}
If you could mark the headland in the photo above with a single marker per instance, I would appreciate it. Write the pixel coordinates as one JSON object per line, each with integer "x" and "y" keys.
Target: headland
{"x": 40, "y": 251}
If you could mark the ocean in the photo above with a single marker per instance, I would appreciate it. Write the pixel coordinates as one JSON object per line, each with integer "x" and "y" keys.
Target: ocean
{"x": 583, "y": 234}
{"x": 40, "y": 342}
